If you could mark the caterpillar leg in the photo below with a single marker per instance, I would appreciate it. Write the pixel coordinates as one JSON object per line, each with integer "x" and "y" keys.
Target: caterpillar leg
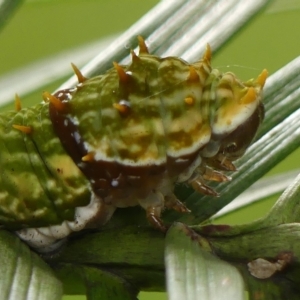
{"x": 172, "y": 202}
{"x": 199, "y": 186}
{"x": 204, "y": 173}
{"x": 221, "y": 162}
{"x": 214, "y": 175}
{"x": 153, "y": 216}
{"x": 48, "y": 239}
{"x": 154, "y": 204}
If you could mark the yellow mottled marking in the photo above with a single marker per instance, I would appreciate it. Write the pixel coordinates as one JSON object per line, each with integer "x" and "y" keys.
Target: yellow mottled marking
{"x": 65, "y": 166}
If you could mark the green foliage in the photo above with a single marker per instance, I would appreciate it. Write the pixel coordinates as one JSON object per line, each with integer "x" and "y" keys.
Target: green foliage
{"x": 24, "y": 274}
{"x": 201, "y": 261}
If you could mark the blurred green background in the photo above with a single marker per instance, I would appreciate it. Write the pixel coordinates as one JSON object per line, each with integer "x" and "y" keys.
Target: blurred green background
{"x": 41, "y": 28}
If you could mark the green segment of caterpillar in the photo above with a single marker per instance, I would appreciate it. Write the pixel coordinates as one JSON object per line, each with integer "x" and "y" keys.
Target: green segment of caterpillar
{"x": 40, "y": 183}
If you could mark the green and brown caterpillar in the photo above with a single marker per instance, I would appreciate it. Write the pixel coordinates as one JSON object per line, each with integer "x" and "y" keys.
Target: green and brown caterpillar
{"x": 122, "y": 139}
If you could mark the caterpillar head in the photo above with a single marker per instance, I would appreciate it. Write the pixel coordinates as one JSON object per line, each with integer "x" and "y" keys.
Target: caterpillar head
{"x": 237, "y": 115}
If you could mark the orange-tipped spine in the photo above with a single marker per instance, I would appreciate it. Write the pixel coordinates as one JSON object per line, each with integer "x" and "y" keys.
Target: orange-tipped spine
{"x": 78, "y": 74}
{"x": 58, "y": 105}
{"x": 23, "y": 128}
{"x": 18, "y": 105}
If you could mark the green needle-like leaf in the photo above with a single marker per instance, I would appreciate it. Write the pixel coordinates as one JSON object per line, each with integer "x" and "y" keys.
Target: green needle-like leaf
{"x": 287, "y": 208}
{"x": 7, "y": 8}
{"x": 24, "y": 275}
{"x": 99, "y": 283}
{"x": 195, "y": 273}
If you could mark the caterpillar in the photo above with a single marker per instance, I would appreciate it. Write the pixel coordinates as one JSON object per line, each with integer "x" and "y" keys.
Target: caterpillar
{"x": 121, "y": 139}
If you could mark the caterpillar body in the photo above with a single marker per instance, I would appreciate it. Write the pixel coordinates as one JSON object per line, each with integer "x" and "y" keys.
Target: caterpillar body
{"x": 122, "y": 139}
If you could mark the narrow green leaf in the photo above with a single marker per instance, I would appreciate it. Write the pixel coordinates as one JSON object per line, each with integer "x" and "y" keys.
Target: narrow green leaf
{"x": 259, "y": 191}
{"x": 24, "y": 275}
{"x": 135, "y": 253}
{"x": 7, "y": 8}
{"x": 286, "y": 209}
{"x": 101, "y": 283}
{"x": 271, "y": 290}
{"x": 194, "y": 273}
{"x": 104, "y": 285}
